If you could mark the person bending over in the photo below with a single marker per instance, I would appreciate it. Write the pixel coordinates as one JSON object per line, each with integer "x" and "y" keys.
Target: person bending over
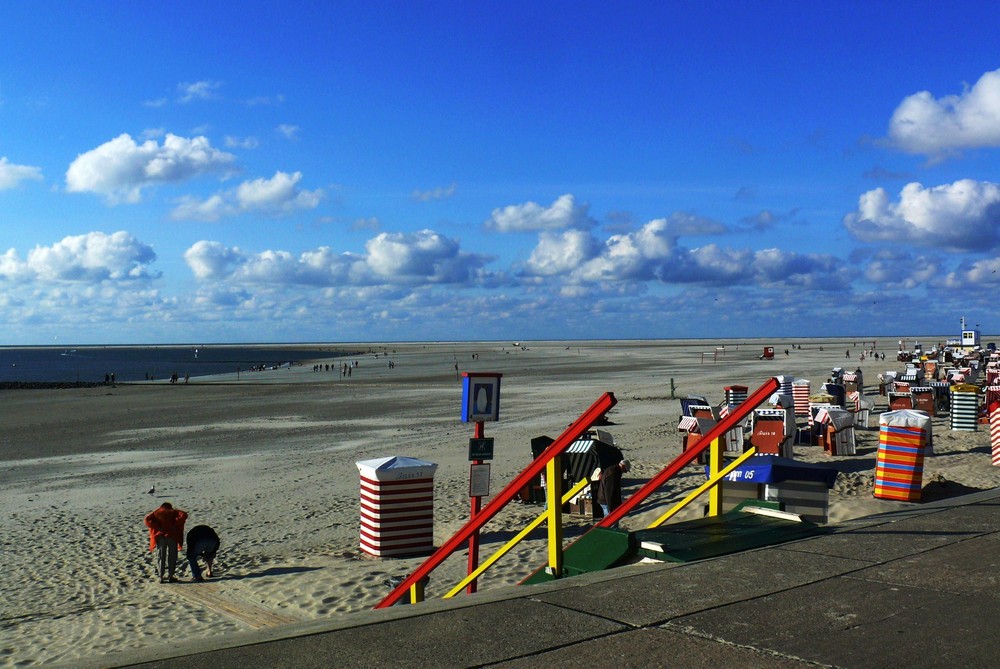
{"x": 203, "y": 543}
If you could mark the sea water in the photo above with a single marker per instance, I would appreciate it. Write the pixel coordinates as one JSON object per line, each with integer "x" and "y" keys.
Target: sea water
{"x": 90, "y": 364}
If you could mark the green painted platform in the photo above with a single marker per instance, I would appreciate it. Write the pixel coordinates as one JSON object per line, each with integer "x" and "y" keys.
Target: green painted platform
{"x": 687, "y": 541}
{"x": 730, "y": 532}
{"x": 600, "y": 548}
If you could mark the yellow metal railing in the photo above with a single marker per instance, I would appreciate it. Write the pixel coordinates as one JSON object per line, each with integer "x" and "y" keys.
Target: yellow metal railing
{"x": 506, "y": 548}
{"x": 712, "y": 483}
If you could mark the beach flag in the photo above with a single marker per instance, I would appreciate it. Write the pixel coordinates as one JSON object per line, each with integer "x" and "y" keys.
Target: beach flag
{"x": 902, "y": 440}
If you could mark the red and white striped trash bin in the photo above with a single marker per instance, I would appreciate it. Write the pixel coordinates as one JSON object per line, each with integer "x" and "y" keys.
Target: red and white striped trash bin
{"x": 397, "y": 506}
{"x": 993, "y": 407}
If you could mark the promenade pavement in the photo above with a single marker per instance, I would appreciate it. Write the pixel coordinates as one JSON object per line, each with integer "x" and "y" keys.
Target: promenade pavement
{"x": 916, "y": 588}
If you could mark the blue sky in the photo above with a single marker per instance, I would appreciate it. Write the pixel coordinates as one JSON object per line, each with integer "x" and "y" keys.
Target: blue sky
{"x": 337, "y": 171}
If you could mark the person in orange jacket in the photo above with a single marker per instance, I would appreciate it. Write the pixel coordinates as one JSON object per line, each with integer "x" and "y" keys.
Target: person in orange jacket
{"x": 166, "y": 535}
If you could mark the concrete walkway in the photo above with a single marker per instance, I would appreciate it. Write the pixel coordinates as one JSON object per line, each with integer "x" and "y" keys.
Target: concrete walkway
{"x": 917, "y": 588}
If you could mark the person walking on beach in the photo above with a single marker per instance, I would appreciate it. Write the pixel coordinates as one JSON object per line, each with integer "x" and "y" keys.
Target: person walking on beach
{"x": 609, "y": 488}
{"x": 166, "y": 535}
{"x": 202, "y": 543}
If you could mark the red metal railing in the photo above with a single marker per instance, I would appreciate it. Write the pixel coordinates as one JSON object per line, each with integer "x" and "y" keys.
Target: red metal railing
{"x": 569, "y": 435}
{"x": 758, "y": 397}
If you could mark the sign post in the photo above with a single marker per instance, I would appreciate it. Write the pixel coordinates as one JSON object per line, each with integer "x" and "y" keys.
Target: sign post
{"x": 480, "y": 403}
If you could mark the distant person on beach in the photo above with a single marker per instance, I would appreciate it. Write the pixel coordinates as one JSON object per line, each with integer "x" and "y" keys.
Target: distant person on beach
{"x": 166, "y": 535}
{"x": 203, "y": 544}
{"x": 609, "y": 488}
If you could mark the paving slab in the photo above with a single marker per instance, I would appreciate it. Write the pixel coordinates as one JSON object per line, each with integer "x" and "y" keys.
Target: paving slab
{"x": 847, "y": 622}
{"x": 661, "y": 594}
{"x": 654, "y": 647}
{"x": 967, "y": 567}
{"x": 461, "y": 637}
{"x": 907, "y": 535}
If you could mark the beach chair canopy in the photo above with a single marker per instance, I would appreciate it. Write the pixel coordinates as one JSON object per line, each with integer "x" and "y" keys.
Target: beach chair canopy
{"x": 692, "y": 400}
{"x": 587, "y": 454}
{"x": 695, "y": 425}
{"x": 774, "y": 469}
{"x": 839, "y": 418}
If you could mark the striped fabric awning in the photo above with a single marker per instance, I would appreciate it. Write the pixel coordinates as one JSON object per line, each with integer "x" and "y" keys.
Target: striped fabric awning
{"x": 580, "y": 446}
{"x": 850, "y": 376}
{"x": 688, "y": 424}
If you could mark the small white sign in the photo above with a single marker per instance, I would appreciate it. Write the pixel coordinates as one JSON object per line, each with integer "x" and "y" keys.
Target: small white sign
{"x": 479, "y": 480}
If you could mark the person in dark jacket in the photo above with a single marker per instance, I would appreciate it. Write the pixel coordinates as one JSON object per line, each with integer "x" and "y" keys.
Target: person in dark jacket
{"x": 609, "y": 489}
{"x": 202, "y": 543}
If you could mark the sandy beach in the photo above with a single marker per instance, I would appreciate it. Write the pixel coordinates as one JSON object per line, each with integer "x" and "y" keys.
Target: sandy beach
{"x": 269, "y": 459}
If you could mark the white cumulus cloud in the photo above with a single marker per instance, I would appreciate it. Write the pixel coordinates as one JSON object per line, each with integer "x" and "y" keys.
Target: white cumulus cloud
{"x": 278, "y": 195}
{"x": 212, "y": 260}
{"x": 531, "y": 217}
{"x": 392, "y": 259}
{"x": 91, "y": 258}
{"x": 927, "y": 125}
{"x": 11, "y": 175}
{"x": 120, "y": 169}
{"x": 962, "y": 216}
{"x": 652, "y": 254}
{"x": 561, "y": 253}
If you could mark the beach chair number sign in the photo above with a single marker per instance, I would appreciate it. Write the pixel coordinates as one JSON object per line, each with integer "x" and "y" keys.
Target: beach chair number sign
{"x": 480, "y": 403}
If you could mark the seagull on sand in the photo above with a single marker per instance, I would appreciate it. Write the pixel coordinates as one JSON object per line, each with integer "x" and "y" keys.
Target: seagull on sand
{"x": 152, "y": 489}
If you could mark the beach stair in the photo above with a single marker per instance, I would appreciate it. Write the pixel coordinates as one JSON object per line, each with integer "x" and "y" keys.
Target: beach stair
{"x": 752, "y": 524}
